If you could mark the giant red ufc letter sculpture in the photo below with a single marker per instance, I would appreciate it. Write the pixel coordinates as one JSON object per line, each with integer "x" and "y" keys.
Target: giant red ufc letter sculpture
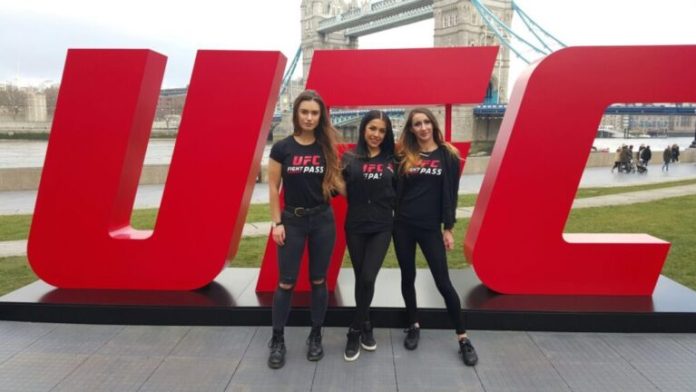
{"x": 387, "y": 77}
{"x": 515, "y": 237}
{"x": 81, "y": 235}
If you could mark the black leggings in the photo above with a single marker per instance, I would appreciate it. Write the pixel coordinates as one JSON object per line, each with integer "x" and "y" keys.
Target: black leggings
{"x": 318, "y": 232}
{"x": 431, "y": 243}
{"x": 367, "y": 251}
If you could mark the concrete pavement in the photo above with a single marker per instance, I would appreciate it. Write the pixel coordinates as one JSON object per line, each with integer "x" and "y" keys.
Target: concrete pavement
{"x": 70, "y": 357}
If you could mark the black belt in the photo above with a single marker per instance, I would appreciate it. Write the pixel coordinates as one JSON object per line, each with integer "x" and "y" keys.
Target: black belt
{"x": 302, "y": 211}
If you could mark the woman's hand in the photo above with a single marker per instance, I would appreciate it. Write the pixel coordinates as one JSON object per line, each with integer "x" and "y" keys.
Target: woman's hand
{"x": 279, "y": 235}
{"x": 448, "y": 239}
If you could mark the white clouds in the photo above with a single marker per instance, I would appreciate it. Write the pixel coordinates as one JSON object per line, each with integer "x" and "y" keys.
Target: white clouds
{"x": 35, "y": 34}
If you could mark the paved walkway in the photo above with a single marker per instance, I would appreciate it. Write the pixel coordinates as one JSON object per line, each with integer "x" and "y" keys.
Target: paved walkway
{"x": 258, "y": 229}
{"x": 68, "y": 357}
{"x": 150, "y": 196}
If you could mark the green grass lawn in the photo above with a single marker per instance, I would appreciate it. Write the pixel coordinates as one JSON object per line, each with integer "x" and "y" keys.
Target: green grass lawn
{"x": 468, "y": 200}
{"x": 669, "y": 219}
{"x": 592, "y": 192}
{"x": 16, "y": 227}
{"x": 14, "y": 273}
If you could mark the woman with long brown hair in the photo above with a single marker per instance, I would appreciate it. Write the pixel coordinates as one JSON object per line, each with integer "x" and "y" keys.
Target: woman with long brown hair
{"x": 306, "y": 164}
{"x": 427, "y": 188}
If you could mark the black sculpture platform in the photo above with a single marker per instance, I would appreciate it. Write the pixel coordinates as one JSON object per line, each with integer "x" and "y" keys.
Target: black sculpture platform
{"x": 231, "y": 300}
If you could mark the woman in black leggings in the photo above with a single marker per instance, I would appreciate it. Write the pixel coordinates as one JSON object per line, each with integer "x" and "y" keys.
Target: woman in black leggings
{"x": 306, "y": 163}
{"x": 368, "y": 172}
{"x": 427, "y": 188}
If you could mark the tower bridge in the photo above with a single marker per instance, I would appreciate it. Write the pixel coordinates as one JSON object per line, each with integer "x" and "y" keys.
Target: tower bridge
{"x": 338, "y": 24}
{"x": 377, "y": 16}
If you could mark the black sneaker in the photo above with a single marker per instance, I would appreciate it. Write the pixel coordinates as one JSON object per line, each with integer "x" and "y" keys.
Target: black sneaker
{"x": 353, "y": 345}
{"x": 315, "y": 351}
{"x": 276, "y": 359}
{"x": 367, "y": 339}
{"x": 468, "y": 352}
{"x": 412, "y": 337}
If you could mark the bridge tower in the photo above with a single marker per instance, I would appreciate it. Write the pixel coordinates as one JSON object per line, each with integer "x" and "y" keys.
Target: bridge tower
{"x": 457, "y": 23}
{"x": 337, "y": 24}
{"x": 313, "y": 12}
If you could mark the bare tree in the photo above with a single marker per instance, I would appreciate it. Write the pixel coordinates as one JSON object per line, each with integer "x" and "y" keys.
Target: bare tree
{"x": 51, "y": 99}
{"x": 13, "y": 101}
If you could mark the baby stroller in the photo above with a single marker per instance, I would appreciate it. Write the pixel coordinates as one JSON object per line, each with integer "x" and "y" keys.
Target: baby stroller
{"x": 641, "y": 169}
{"x": 627, "y": 167}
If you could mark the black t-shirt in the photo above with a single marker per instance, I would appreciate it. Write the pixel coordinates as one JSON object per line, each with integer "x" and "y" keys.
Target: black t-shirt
{"x": 371, "y": 192}
{"x": 302, "y": 172}
{"x": 421, "y": 202}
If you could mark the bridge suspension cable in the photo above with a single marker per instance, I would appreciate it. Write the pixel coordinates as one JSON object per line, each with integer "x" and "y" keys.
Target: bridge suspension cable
{"x": 291, "y": 70}
{"x": 506, "y": 35}
{"x": 537, "y": 30}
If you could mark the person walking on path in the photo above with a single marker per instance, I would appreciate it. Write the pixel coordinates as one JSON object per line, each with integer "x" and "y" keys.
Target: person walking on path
{"x": 666, "y": 158}
{"x": 368, "y": 172}
{"x": 306, "y": 164}
{"x": 646, "y": 156}
{"x": 617, "y": 159}
{"x": 427, "y": 188}
{"x": 639, "y": 161}
{"x": 625, "y": 155}
{"x": 675, "y": 153}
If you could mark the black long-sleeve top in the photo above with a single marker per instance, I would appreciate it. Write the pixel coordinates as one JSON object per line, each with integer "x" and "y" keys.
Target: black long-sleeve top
{"x": 427, "y": 195}
{"x": 371, "y": 193}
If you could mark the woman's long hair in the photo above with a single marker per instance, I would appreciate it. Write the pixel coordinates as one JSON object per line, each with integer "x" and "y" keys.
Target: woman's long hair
{"x": 326, "y": 135}
{"x": 387, "y": 146}
{"x": 408, "y": 149}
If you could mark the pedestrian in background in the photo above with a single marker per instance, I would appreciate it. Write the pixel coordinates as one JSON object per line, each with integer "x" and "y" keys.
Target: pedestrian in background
{"x": 666, "y": 158}
{"x": 675, "y": 153}
{"x": 617, "y": 159}
{"x": 646, "y": 156}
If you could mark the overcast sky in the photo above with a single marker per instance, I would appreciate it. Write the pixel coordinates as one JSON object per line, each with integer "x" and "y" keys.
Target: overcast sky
{"x": 35, "y": 34}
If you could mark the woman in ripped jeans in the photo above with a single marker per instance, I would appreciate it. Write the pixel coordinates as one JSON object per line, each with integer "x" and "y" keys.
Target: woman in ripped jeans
{"x": 306, "y": 164}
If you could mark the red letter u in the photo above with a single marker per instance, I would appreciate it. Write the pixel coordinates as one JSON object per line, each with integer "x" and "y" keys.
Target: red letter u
{"x": 81, "y": 235}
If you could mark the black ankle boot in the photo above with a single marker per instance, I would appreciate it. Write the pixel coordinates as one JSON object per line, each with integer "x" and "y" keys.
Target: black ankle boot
{"x": 315, "y": 351}
{"x": 276, "y": 358}
{"x": 367, "y": 338}
{"x": 412, "y": 337}
{"x": 352, "y": 345}
{"x": 468, "y": 353}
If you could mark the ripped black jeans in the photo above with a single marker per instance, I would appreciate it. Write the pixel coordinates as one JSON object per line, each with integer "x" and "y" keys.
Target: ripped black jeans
{"x": 318, "y": 232}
